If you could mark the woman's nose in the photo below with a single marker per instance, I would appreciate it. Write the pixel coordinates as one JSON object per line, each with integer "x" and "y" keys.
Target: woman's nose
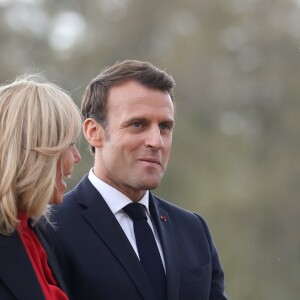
{"x": 76, "y": 154}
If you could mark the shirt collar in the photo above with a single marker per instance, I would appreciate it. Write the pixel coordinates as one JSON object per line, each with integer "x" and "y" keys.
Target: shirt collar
{"x": 114, "y": 198}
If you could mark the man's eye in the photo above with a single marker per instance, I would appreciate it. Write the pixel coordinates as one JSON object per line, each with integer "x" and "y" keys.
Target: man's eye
{"x": 164, "y": 126}
{"x": 137, "y": 124}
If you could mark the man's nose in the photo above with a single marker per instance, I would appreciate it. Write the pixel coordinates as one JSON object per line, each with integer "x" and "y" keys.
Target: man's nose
{"x": 154, "y": 138}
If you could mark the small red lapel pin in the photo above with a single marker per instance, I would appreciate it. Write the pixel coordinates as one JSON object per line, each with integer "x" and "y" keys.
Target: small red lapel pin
{"x": 163, "y": 218}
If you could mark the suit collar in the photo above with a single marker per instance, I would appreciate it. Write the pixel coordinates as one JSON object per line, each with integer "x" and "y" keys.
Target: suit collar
{"x": 51, "y": 258}
{"x": 16, "y": 270}
{"x": 114, "y": 198}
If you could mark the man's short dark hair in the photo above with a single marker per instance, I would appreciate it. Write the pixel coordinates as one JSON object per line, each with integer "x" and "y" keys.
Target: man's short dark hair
{"x": 94, "y": 102}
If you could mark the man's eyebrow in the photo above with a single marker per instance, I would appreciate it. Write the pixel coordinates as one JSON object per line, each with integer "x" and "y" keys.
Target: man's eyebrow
{"x": 169, "y": 121}
{"x": 142, "y": 119}
{"x": 135, "y": 119}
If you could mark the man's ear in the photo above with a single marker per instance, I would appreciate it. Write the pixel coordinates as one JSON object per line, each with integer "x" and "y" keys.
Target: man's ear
{"x": 94, "y": 133}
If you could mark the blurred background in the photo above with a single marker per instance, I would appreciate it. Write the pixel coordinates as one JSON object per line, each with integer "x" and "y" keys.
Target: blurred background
{"x": 236, "y": 153}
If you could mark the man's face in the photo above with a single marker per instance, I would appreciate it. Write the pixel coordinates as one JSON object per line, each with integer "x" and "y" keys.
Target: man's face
{"x": 135, "y": 153}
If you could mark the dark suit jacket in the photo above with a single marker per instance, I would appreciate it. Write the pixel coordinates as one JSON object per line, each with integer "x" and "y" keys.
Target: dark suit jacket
{"x": 99, "y": 263}
{"x": 17, "y": 277}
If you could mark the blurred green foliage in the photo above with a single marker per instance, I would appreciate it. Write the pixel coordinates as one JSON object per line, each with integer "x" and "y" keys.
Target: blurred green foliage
{"x": 236, "y": 149}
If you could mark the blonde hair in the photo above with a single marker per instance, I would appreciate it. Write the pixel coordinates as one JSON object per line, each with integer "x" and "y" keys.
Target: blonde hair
{"x": 38, "y": 122}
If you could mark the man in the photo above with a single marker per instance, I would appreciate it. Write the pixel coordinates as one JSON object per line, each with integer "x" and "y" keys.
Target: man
{"x": 129, "y": 119}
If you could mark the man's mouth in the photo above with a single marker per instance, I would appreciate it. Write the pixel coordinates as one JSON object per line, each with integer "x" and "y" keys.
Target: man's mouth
{"x": 151, "y": 160}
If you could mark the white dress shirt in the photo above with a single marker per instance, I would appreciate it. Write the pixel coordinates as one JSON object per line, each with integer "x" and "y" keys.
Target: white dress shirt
{"x": 116, "y": 201}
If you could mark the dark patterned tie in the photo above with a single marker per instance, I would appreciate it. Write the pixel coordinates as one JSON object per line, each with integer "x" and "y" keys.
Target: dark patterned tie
{"x": 148, "y": 251}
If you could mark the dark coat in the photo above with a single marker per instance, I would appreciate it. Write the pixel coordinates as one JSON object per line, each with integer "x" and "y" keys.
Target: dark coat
{"x": 18, "y": 280}
{"x": 98, "y": 262}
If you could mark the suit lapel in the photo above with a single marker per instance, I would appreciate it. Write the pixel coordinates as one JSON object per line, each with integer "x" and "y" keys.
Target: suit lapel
{"x": 51, "y": 258}
{"x": 102, "y": 220}
{"x": 166, "y": 233}
{"x": 16, "y": 270}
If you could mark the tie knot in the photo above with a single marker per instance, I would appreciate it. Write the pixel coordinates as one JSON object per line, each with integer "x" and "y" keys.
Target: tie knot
{"x": 135, "y": 211}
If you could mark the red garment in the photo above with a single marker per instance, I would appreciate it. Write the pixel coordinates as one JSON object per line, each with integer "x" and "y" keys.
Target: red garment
{"x": 38, "y": 259}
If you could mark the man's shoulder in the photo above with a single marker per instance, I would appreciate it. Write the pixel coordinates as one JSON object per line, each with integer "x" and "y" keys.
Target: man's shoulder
{"x": 189, "y": 222}
{"x": 172, "y": 208}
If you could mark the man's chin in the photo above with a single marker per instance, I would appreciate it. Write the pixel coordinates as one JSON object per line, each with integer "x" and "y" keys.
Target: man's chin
{"x": 149, "y": 185}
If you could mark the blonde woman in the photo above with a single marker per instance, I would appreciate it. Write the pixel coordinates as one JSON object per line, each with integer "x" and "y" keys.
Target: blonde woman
{"x": 39, "y": 124}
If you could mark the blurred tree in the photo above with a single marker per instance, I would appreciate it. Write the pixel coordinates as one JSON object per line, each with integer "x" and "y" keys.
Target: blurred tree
{"x": 237, "y": 139}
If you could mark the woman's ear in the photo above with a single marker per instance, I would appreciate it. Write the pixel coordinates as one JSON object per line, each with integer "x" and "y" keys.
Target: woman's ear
{"x": 94, "y": 133}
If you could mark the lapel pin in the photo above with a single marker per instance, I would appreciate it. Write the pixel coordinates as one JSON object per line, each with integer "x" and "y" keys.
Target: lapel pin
{"x": 163, "y": 218}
